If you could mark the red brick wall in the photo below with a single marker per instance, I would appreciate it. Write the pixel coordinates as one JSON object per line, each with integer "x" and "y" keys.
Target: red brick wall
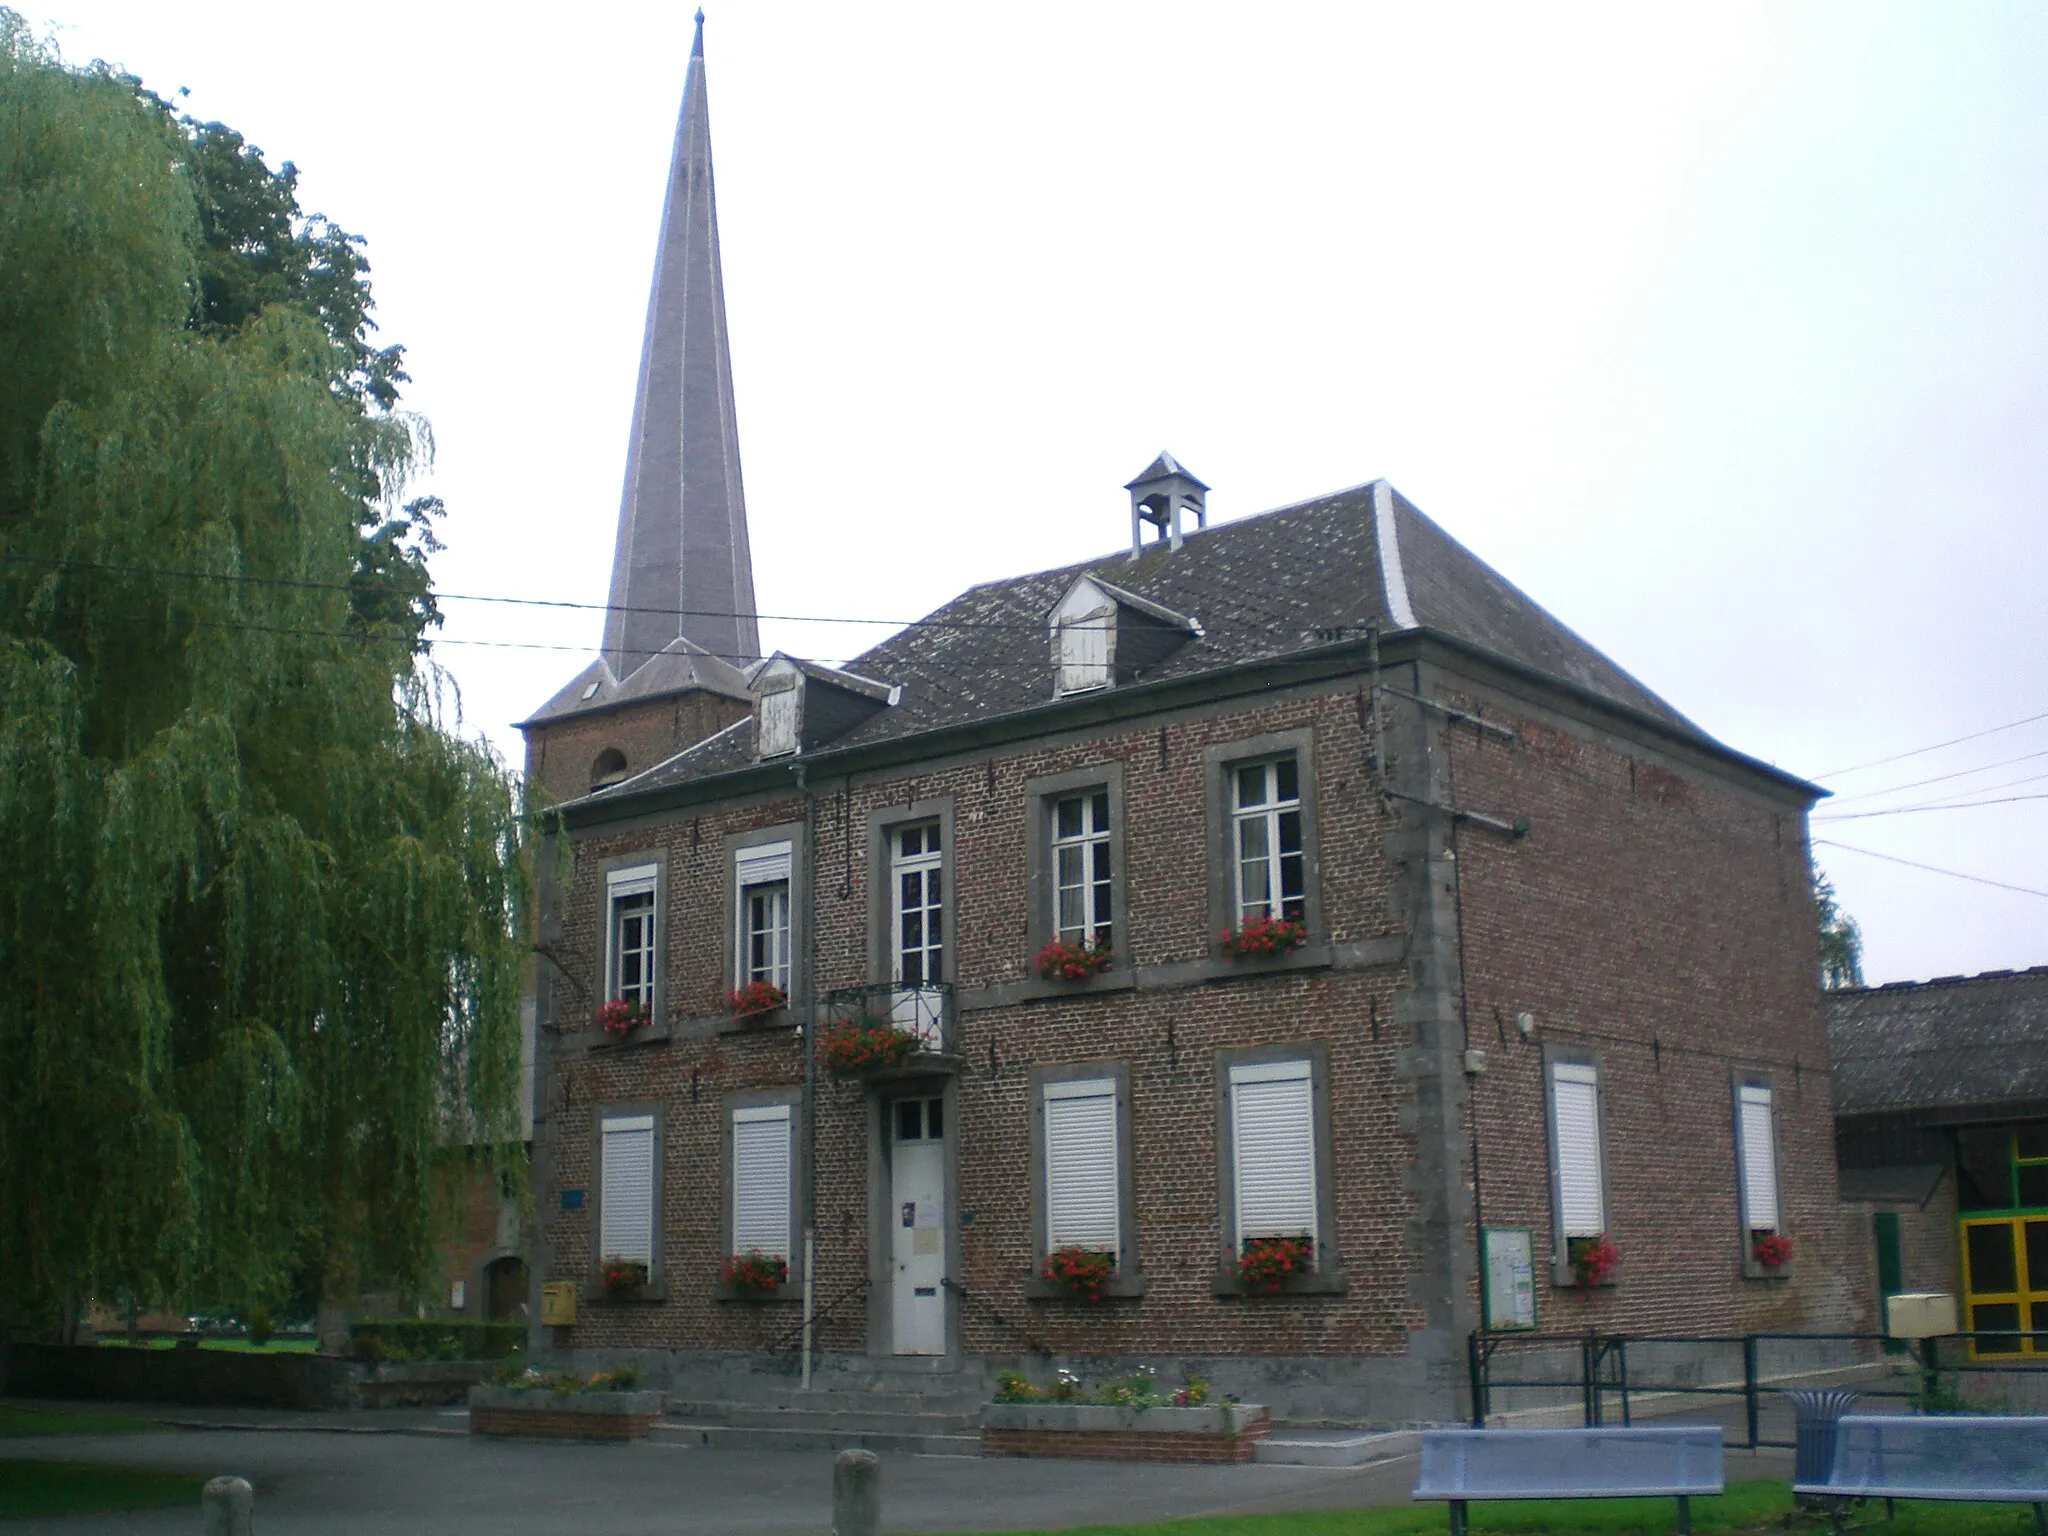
{"x": 540, "y": 1424}
{"x": 1122, "y": 1445}
{"x": 1651, "y": 902}
{"x": 470, "y": 1200}
{"x": 1661, "y": 917}
{"x": 559, "y": 755}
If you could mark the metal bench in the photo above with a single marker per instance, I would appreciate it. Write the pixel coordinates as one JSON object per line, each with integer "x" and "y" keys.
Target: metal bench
{"x": 1976, "y": 1458}
{"x": 1464, "y": 1466}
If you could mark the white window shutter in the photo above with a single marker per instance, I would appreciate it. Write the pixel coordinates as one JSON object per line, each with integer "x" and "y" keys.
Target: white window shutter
{"x": 762, "y": 864}
{"x": 1575, "y": 1119}
{"x": 1083, "y": 645}
{"x": 627, "y": 1194}
{"x": 1081, "y": 1173}
{"x": 1759, "y": 1158}
{"x": 1273, "y": 1149}
{"x": 761, "y": 1180}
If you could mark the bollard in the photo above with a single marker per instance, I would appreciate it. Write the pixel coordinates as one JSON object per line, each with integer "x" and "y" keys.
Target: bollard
{"x": 856, "y": 1493}
{"x": 225, "y": 1507}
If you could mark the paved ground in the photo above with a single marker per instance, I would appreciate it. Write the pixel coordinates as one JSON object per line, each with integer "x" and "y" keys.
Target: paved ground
{"x": 324, "y": 1483}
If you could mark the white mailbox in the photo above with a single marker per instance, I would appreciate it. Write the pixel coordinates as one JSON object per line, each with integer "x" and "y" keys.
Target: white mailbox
{"x": 1919, "y": 1314}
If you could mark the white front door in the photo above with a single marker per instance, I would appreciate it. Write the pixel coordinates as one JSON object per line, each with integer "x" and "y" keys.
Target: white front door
{"x": 918, "y": 1224}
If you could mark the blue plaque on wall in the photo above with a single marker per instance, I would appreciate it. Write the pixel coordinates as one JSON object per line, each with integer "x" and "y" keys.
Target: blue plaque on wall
{"x": 572, "y": 1199}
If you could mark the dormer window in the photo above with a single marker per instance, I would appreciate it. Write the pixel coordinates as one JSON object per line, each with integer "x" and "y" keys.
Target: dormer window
{"x": 1082, "y": 628}
{"x": 1103, "y": 635}
{"x": 799, "y": 705}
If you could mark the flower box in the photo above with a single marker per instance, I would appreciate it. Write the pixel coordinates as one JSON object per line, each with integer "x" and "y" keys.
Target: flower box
{"x": 1107, "y": 1432}
{"x": 1061, "y": 961}
{"x": 540, "y": 1413}
{"x": 1270, "y": 1263}
{"x": 1262, "y": 938}
{"x": 1591, "y": 1261}
{"x": 865, "y": 1044}
{"x": 1079, "y": 1274}
{"x": 755, "y": 1001}
{"x": 619, "y": 1017}
{"x": 754, "y": 1275}
{"x": 622, "y": 1279}
{"x": 1771, "y": 1252}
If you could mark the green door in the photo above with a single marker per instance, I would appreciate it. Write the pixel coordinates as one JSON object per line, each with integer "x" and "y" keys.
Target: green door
{"x": 1884, "y": 1229}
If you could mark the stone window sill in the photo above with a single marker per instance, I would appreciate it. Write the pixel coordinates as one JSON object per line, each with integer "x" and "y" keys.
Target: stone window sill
{"x": 775, "y": 1022}
{"x": 1751, "y": 1270}
{"x": 1117, "y": 1288}
{"x": 789, "y": 1290}
{"x": 652, "y": 1291}
{"x": 1321, "y": 1282}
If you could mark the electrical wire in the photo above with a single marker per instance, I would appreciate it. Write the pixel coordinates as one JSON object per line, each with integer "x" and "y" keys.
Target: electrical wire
{"x": 1952, "y": 805}
{"x": 1932, "y": 869}
{"x": 1896, "y": 757}
{"x": 1942, "y": 778}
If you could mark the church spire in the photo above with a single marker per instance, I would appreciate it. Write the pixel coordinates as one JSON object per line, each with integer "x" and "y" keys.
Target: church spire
{"x": 683, "y": 519}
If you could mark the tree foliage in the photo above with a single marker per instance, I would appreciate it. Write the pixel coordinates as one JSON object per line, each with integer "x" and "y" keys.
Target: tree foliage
{"x": 1841, "y": 941}
{"x": 259, "y": 924}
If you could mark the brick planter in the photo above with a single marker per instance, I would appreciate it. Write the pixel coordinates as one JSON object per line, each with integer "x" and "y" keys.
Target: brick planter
{"x": 1213, "y": 1432}
{"x": 544, "y": 1415}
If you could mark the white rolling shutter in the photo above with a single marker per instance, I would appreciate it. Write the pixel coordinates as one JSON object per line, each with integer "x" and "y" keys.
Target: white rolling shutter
{"x": 627, "y": 1196}
{"x": 762, "y": 864}
{"x": 1758, "y": 1152}
{"x": 1081, "y": 1166}
{"x": 1273, "y": 1149}
{"x": 760, "y": 1180}
{"x": 1575, "y": 1121}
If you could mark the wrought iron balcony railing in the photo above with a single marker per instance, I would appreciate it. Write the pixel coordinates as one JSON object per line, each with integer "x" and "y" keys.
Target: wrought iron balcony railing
{"x": 923, "y": 1011}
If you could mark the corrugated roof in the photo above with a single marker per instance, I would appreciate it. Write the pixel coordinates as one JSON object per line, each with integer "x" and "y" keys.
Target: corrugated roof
{"x": 1958, "y": 1042}
{"x": 1262, "y": 587}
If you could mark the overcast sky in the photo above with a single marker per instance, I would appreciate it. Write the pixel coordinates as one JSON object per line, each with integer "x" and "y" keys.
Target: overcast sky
{"x": 1721, "y": 330}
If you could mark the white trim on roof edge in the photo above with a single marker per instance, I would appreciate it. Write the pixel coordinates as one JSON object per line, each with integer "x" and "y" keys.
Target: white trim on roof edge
{"x": 1393, "y": 578}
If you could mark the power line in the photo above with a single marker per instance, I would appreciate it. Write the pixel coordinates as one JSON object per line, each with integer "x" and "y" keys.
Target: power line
{"x": 1941, "y": 778}
{"x": 1952, "y": 805}
{"x": 1879, "y": 762}
{"x": 1932, "y": 869}
{"x": 306, "y": 584}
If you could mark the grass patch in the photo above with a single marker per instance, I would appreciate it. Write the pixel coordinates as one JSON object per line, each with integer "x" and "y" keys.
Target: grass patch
{"x": 1746, "y": 1509}
{"x": 50, "y": 1421}
{"x": 72, "y": 1488}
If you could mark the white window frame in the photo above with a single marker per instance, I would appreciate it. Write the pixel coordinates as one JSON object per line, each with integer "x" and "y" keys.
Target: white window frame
{"x": 761, "y": 881}
{"x": 763, "y": 1147}
{"x": 1269, "y": 818}
{"x": 626, "y": 1212}
{"x": 624, "y": 889}
{"x": 1092, "y": 852}
{"x": 1278, "y": 1082}
{"x": 1082, "y": 1127}
{"x": 928, "y": 866}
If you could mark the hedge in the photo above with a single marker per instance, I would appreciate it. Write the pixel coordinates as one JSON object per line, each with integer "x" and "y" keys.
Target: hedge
{"x": 405, "y": 1338}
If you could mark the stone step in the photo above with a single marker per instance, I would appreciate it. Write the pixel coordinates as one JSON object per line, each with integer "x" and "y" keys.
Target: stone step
{"x": 1289, "y": 1447}
{"x": 727, "y": 1438}
{"x": 857, "y": 1420}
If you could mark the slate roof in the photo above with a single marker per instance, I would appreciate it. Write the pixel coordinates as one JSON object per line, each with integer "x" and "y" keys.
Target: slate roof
{"x": 1964, "y": 1043}
{"x": 1262, "y": 587}
{"x": 678, "y": 666}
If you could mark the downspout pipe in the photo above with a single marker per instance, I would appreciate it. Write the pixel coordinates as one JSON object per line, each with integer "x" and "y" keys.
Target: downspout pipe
{"x": 810, "y": 1059}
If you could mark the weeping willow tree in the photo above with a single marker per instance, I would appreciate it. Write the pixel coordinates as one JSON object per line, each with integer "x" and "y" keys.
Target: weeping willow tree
{"x": 258, "y": 906}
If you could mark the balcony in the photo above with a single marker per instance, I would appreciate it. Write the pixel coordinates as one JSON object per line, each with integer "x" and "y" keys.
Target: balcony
{"x": 916, "y": 1024}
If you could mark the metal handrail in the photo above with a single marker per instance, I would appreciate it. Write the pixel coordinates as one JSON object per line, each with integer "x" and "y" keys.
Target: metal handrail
{"x": 1031, "y": 1342}
{"x": 819, "y": 1315}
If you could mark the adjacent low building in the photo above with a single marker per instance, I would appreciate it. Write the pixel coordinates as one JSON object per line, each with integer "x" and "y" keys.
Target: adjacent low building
{"x": 1941, "y": 1104}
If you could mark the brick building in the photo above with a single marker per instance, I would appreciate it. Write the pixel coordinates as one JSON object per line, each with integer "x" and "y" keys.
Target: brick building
{"x": 1941, "y": 1104}
{"x": 1531, "y": 958}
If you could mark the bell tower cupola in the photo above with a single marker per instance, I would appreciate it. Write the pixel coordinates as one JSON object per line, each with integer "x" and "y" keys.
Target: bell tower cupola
{"x": 1159, "y": 496}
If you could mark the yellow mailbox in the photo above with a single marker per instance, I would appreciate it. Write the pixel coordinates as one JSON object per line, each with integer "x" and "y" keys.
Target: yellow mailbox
{"x": 558, "y": 1303}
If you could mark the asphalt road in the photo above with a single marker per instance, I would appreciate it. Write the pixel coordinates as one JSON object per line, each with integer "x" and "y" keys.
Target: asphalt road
{"x": 354, "y": 1477}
